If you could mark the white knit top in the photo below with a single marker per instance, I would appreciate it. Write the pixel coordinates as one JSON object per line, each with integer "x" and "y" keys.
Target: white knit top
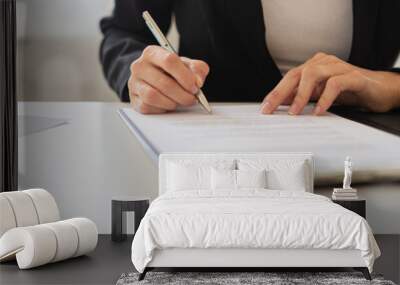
{"x": 297, "y": 29}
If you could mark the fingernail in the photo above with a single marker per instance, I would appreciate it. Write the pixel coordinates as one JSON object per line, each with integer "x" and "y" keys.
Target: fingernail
{"x": 195, "y": 89}
{"x": 293, "y": 109}
{"x": 266, "y": 108}
{"x": 199, "y": 81}
{"x": 317, "y": 110}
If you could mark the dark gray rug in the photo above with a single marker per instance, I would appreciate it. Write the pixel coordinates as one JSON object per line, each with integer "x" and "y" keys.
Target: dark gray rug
{"x": 268, "y": 278}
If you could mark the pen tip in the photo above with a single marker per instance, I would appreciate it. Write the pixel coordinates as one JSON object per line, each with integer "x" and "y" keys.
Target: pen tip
{"x": 203, "y": 101}
{"x": 208, "y": 108}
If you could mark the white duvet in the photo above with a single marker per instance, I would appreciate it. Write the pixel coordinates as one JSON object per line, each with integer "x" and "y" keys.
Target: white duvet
{"x": 250, "y": 219}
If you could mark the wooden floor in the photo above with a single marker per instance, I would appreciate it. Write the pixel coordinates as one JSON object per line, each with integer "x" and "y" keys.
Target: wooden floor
{"x": 110, "y": 260}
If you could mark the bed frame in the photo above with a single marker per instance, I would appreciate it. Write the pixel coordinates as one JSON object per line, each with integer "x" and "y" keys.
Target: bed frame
{"x": 260, "y": 259}
{"x": 242, "y": 259}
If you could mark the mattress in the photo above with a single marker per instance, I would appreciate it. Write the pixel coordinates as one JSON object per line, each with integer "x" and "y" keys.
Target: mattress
{"x": 250, "y": 219}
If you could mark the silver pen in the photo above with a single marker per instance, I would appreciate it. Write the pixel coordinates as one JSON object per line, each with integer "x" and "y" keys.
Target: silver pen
{"x": 162, "y": 40}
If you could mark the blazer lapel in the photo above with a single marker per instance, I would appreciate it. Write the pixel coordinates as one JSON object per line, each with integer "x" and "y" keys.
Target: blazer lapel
{"x": 247, "y": 20}
{"x": 237, "y": 34}
{"x": 364, "y": 26}
{"x": 218, "y": 30}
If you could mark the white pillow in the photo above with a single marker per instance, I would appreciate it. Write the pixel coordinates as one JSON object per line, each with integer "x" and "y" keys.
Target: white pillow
{"x": 223, "y": 179}
{"x": 237, "y": 179}
{"x": 251, "y": 178}
{"x": 188, "y": 175}
{"x": 291, "y": 175}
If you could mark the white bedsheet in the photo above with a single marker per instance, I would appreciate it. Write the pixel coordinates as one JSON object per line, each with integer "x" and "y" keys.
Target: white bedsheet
{"x": 250, "y": 219}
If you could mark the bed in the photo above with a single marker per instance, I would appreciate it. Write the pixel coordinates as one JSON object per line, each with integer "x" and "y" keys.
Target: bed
{"x": 245, "y": 211}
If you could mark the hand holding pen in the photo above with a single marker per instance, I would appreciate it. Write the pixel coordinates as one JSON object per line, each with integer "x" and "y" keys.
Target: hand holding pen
{"x": 161, "y": 80}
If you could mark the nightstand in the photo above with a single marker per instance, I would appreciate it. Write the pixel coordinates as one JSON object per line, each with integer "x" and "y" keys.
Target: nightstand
{"x": 121, "y": 204}
{"x": 357, "y": 206}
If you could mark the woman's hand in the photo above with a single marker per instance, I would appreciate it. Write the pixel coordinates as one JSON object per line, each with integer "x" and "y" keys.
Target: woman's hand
{"x": 327, "y": 79}
{"x": 160, "y": 81}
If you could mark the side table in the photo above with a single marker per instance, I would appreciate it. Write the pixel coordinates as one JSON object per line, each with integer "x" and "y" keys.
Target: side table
{"x": 357, "y": 206}
{"x": 121, "y": 204}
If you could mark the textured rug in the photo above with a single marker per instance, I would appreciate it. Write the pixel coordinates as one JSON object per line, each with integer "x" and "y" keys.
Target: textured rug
{"x": 244, "y": 278}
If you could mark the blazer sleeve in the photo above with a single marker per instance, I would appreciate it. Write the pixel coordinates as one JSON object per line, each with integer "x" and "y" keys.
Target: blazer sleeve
{"x": 125, "y": 35}
{"x": 388, "y": 36}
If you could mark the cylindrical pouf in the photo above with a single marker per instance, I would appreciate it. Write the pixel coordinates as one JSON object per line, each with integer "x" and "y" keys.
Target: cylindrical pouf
{"x": 46, "y": 206}
{"x": 67, "y": 240}
{"x": 23, "y": 208}
{"x": 36, "y": 245}
{"x": 7, "y": 218}
{"x": 87, "y": 233}
{"x": 41, "y": 244}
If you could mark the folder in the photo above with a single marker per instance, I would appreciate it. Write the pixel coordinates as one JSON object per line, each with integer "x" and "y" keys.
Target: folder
{"x": 238, "y": 127}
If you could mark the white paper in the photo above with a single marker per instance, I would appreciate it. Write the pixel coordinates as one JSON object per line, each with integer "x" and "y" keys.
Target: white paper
{"x": 241, "y": 128}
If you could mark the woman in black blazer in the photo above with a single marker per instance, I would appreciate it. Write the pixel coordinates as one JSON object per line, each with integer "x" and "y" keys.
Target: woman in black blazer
{"x": 223, "y": 50}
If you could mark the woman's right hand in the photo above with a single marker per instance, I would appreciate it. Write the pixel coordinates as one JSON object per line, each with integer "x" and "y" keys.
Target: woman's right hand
{"x": 161, "y": 81}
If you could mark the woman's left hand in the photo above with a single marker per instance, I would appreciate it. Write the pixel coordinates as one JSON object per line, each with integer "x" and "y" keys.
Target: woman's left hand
{"x": 327, "y": 79}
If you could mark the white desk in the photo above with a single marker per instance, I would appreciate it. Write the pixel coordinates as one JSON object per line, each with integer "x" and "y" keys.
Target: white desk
{"x": 85, "y": 162}
{"x": 94, "y": 157}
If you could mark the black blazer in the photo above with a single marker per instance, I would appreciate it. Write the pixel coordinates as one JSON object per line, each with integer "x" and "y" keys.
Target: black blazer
{"x": 230, "y": 36}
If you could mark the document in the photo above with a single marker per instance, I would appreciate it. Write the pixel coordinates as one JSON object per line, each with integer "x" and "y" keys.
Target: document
{"x": 234, "y": 127}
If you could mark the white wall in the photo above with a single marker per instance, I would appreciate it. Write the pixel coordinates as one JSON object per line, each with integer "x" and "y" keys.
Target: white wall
{"x": 65, "y": 18}
{"x": 58, "y": 50}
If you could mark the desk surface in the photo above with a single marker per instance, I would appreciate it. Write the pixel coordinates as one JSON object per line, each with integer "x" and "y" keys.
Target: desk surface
{"x": 94, "y": 156}
{"x": 85, "y": 161}
{"x": 388, "y": 122}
